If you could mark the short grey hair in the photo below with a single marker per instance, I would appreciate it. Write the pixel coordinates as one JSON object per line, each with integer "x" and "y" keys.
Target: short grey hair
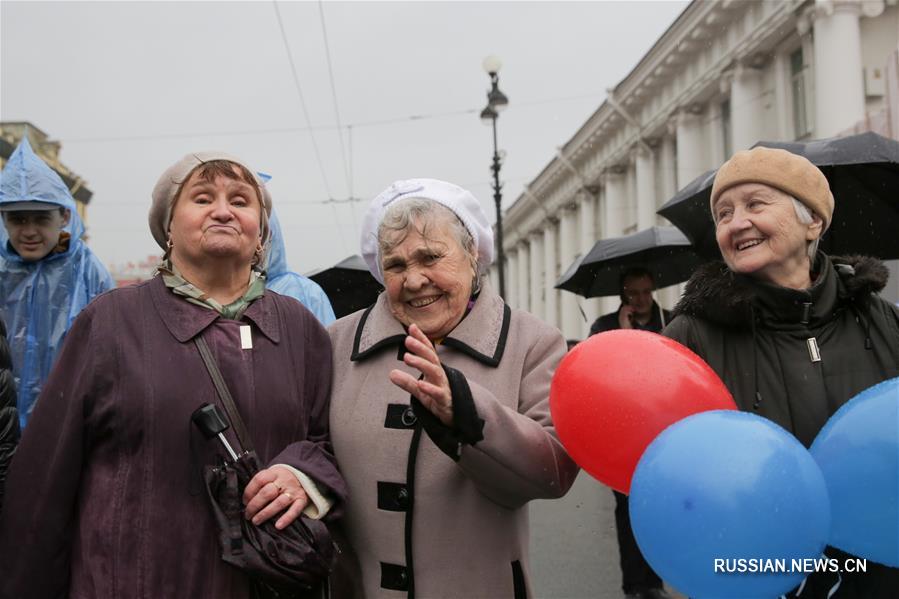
{"x": 806, "y": 217}
{"x": 420, "y": 213}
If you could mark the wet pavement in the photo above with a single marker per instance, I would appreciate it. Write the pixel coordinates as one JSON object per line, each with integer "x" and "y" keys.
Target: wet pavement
{"x": 574, "y": 548}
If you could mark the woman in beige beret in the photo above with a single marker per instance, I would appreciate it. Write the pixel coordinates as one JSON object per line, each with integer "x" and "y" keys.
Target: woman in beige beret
{"x": 105, "y": 494}
{"x": 792, "y": 332}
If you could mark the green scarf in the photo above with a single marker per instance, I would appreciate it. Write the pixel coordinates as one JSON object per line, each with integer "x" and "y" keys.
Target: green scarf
{"x": 233, "y": 311}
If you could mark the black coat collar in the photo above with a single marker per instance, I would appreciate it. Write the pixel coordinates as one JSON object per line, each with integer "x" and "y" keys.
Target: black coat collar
{"x": 717, "y": 294}
{"x": 481, "y": 334}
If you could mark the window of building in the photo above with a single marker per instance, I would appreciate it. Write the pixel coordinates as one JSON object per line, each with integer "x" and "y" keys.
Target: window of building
{"x": 798, "y": 88}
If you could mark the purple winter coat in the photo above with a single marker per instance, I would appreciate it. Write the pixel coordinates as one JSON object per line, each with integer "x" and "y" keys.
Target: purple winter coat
{"x": 103, "y": 498}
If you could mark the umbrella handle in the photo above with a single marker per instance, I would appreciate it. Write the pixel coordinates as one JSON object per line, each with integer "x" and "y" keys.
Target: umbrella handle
{"x": 211, "y": 422}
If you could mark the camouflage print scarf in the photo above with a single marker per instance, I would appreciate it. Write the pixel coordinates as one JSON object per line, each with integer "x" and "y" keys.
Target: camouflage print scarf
{"x": 233, "y": 311}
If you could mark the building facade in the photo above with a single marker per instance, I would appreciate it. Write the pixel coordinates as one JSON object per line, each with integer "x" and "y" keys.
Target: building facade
{"x": 726, "y": 74}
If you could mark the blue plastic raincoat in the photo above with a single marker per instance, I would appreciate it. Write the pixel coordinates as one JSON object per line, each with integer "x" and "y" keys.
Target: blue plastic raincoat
{"x": 39, "y": 300}
{"x": 281, "y": 280}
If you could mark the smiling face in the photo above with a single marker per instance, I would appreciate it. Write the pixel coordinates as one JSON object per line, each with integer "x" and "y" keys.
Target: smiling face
{"x": 759, "y": 234}
{"x": 34, "y": 233}
{"x": 428, "y": 276}
{"x": 217, "y": 219}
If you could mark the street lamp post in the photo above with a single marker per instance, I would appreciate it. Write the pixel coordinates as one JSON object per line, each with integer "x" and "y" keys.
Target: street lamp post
{"x": 496, "y": 102}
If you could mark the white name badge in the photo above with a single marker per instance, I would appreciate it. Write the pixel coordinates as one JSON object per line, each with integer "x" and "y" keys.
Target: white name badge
{"x": 246, "y": 337}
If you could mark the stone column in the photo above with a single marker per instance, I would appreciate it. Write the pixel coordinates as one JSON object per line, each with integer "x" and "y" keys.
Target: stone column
{"x": 667, "y": 174}
{"x": 839, "y": 85}
{"x": 615, "y": 203}
{"x": 644, "y": 166}
{"x": 630, "y": 211}
{"x": 550, "y": 260}
{"x": 692, "y": 158}
{"x": 568, "y": 242}
{"x": 614, "y": 209}
{"x": 746, "y": 107}
{"x": 667, "y": 188}
{"x": 588, "y": 238}
{"x": 523, "y": 276}
{"x": 536, "y": 274}
{"x": 511, "y": 273}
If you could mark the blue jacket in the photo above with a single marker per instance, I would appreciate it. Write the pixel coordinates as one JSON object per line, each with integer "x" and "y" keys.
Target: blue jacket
{"x": 281, "y": 280}
{"x": 39, "y": 300}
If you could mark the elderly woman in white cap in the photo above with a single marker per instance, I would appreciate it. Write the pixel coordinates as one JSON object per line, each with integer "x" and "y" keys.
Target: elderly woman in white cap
{"x": 105, "y": 495}
{"x": 792, "y": 332}
{"x": 440, "y": 407}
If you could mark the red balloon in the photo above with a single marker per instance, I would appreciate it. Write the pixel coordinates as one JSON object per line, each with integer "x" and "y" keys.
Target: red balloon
{"x": 616, "y": 391}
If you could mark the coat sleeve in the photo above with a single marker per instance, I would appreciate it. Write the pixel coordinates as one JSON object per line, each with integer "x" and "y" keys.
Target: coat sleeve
{"x": 520, "y": 457}
{"x": 39, "y": 514}
{"x": 313, "y": 456}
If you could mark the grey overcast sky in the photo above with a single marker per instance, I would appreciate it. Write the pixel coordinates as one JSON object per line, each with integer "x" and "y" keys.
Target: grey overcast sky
{"x": 130, "y": 87}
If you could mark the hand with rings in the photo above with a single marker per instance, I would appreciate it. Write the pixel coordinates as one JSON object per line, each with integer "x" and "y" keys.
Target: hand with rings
{"x": 271, "y": 492}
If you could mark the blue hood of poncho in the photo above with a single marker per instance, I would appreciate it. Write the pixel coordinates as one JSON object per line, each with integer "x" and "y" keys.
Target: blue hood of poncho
{"x": 281, "y": 280}
{"x": 27, "y": 178}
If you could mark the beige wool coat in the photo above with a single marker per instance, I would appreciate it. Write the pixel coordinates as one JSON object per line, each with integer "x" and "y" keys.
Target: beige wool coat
{"x": 430, "y": 523}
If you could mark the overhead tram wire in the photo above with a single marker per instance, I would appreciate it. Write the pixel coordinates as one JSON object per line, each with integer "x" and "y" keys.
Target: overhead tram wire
{"x": 312, "y": 128}
{"x": 343, "y": 153}
{"x": 318, "y": 157}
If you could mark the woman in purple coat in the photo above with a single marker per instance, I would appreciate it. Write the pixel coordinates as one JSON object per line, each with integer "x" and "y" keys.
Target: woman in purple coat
{"x": 104, "y": 497}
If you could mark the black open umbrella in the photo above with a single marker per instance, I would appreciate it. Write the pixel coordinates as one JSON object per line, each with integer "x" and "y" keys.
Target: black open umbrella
{"x": 664, "y": 251}
{"x": 348, "y": 284}
{"x": 863, "y": 172}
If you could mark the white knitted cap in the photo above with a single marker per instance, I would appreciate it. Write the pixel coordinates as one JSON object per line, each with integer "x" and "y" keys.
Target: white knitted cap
{"x": 462, "y": 203}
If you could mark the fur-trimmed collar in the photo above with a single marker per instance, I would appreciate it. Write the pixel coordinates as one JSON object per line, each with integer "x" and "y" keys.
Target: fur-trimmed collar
{"x": 717, "y": 294}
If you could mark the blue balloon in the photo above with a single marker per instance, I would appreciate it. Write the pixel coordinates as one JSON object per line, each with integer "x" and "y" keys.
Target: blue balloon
{"x": 723, "y": 502}
{"x": 858, "y": 452}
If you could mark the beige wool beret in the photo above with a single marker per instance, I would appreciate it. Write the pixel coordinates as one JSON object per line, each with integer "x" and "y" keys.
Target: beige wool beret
{"x": 783, "y": 170}
{"x": 169, "y": 182}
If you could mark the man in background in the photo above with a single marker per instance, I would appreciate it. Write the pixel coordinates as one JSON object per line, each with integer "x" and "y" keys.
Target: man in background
{"x": 638, "y": 311}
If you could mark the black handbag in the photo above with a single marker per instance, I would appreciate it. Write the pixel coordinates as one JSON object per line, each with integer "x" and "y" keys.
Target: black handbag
{"x": 288, "y": 563}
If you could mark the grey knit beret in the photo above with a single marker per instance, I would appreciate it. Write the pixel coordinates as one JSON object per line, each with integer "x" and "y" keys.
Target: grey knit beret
{"x": 169, "y": 182}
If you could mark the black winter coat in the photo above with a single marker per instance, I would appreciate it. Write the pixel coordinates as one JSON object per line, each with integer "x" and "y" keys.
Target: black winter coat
{"x": 9, "y": 415}
{"x": 762, "y": 340}
{"x": 609, "y": 322}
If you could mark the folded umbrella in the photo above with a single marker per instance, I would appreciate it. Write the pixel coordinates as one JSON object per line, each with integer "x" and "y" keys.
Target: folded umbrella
{"x": 664, "y": 251}
{"x": 863, "y": 172}
{"x": 282, "y": 563}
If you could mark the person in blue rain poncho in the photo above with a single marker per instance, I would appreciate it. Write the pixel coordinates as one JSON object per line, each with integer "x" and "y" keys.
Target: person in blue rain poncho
{"x": 280, "y": 279}
{"x": 47, "y": 273}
